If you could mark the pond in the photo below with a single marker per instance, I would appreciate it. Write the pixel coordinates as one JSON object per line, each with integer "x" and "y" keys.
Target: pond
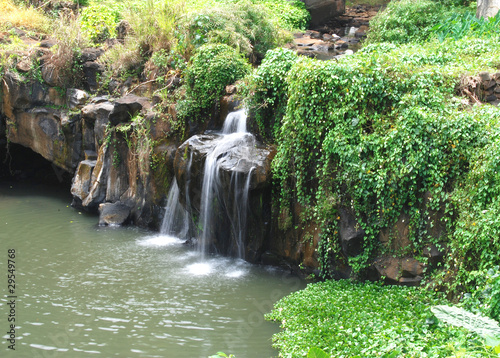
{"x": 86, "y": 291}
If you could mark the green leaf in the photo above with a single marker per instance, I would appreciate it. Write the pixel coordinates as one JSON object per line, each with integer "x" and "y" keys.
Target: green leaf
{"x": 316, "y": 352}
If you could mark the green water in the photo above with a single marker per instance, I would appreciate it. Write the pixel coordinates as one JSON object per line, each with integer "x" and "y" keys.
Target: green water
{"x": 88, "y": 291}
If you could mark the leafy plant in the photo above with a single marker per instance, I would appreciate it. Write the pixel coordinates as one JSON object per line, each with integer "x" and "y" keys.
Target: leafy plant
{"x": 222, "y": 355}
{"x": 406, "y": 21}
{"x": 464, "y": 24}
{"x": 346, "y": 319}
{"x": 269, "y": 91}
{"x": 98, "y": 22}
{"x": 213, "y": 67}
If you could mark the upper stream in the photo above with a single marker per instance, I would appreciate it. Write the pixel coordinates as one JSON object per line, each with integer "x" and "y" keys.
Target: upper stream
{"x": 86, "y": 291}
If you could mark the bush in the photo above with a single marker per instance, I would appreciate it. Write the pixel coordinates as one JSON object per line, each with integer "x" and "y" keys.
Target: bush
{"x": 269, "y": 91}
{"x": 98, "y": 22}
{"x": 406, "y": 21}
{"x": 213, "y": 67}
{"x": 365, "y": 320}
{"x": 241, "y": 25}
{"x": 377, "y": 133}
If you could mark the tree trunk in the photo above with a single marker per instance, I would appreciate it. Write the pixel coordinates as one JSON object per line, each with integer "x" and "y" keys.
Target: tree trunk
{"x": 487, "y": 8}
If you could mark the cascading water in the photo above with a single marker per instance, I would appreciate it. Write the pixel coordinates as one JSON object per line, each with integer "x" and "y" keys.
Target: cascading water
{"x": 234, "y": 135}
{"x": 223, "y": 200}
{"x": 175, "y": 221}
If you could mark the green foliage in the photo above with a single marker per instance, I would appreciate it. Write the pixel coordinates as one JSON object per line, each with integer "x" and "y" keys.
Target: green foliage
{"x": 463, "y": 24}
{"x": 289, "y": 15}
{"x": 315, "y": 352}
{"x": 269, "y": 91}
{"x": 406, "y": 21}
{"x": 213, "y": 67}
{"x": 242, "y": 25}
{"x": 98, "y": 22}
{"x": 364, "y": 320}
{"x": 381, "y": 133}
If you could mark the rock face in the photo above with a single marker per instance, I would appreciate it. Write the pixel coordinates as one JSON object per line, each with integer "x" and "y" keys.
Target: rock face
{"x": 323, "y": 10}
{"x": 37, "y": 120}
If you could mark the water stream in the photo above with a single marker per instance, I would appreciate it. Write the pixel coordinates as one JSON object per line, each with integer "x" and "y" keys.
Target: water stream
{"x": 87, "y": 291}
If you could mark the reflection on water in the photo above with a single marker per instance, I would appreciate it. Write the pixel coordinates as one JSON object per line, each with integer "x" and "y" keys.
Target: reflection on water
{"x": 86, "y": 291}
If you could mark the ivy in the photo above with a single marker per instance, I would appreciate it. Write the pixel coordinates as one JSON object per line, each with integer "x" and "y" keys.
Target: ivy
{"x": 381, "y": 133}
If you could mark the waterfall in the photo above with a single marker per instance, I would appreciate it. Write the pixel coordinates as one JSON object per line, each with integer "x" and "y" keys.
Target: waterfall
{"x": 236, "y": 122}
{"x": 234, "y": 135}
{"x": 175, "y": 222}
{"x": 223, "y": 201}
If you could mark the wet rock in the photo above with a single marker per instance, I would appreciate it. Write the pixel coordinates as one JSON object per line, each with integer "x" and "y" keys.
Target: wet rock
{"x": 113, "y": 214}
{"x": 361, "y": 32}
{"x": 351, "y": 235}
{"x": 403, "y": 271}
{"x": 435, "y": 253}
{"x": 411, "y": 267}
{"x": 410, "y": 281}
{"x": 99, "y": 181}
{"x": 388, "y": 268}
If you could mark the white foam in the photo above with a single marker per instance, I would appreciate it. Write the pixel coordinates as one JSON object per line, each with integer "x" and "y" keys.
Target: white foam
{"x": 160, "y": 240}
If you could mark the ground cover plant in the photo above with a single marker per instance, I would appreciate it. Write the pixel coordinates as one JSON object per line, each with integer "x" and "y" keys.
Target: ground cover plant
{"x": 347, "y": 319}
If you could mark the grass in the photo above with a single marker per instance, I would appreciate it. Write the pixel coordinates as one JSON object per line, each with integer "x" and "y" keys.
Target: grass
{"x": 23, "y": 17}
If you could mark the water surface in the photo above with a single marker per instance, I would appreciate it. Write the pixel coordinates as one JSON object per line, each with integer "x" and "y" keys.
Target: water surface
{"x": 88, "y": 291}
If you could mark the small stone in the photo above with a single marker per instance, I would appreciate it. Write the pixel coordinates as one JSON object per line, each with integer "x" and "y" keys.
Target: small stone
{"x": 47, "y": 43}
{"x": 90, "y": 155}
{"x": 491, "y": 98}
{"x": 76, "y": 98}
{"x": 24, "y": 65}
{"x": 314, "y": 34}
{"x": 485, "y": 76}
{"x": 327, "y": 37}
{"x": 410, "y": 281}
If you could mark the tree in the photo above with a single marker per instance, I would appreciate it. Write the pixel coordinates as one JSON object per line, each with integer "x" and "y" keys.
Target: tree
{"x": 487, "y": 8}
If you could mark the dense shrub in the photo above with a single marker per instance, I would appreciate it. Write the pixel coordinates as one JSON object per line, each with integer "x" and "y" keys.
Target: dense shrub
{"x": 213, "y": 67}
{"x": 377, "y": 133}
{"x": 242, "y": 25}
{"x": 406, "y": 21}
{"x": 98, "y": 22}
{"x": 269, "y": 91}
{"x": 366, "y": 320}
